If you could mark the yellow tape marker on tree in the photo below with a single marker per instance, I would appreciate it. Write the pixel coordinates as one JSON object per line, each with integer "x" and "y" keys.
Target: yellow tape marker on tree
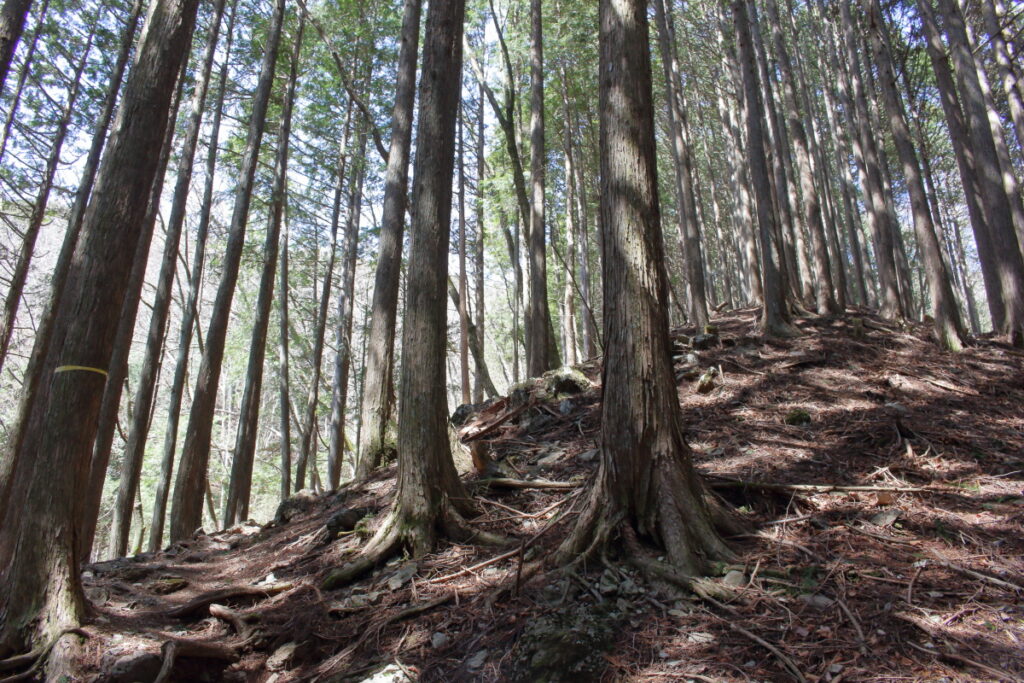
{"x": 82, "y": 368}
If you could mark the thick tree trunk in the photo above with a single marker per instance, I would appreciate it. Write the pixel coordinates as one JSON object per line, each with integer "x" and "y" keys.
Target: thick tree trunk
{"x": 110, "y": 407}
{"x": 646, "y": 483}
{"x": 948, "y": 327}
{"x": 236, "y": 505}
{"x": 187, "y": 502}
{"x": 40, "y": 590}
{"x": 190, "y": 307}
{"x": 1009, "y": 72}
{"x": 23, "y": 74}
{"x": 995, "y": 203}
{"x": 429, "y": 495}
{"x": 131, "y": 464}
{"x": 378, "y": 396}
{"x": 12, "y": 23}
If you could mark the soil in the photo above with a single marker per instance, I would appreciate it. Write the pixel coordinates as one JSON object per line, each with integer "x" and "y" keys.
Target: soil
{"x": 905, "y": 562}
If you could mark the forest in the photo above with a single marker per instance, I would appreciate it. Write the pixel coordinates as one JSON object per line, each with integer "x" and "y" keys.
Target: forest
{"x": 528, "y": 340}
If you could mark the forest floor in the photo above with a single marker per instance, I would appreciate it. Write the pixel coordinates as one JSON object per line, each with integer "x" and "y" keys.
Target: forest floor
{"x": 885, "y": 496}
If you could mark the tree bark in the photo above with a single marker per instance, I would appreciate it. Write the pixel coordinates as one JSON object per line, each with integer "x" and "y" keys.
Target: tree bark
{"x": 12, "y": 23}
{"x": 646, "y": 483}
{"x": 40, "y": 590}
{"x": 236, "y": 506}
{"x": 131, "y": 464}
{"x": 187, "y": 502}
{"x": 190, "y": 307}
{"x": 774, "y": 313}
{"x": 542, "y": 352}
{"x": 948, "y": 327}
{"x": 995, "y": 203}
{"x": 378, "y": 395}
{"x": 23, "y": 73}
{"x": 463, "y": 307}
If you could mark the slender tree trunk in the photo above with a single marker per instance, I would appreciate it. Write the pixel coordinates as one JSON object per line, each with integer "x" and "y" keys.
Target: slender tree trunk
{"x": 40, "y": 590}
{"x": 283, "y": 381}
{"x": 378, "y": 397}
{"x": 995, "y": 203}
{"x": 1009, "y": 72}
{"x": 541, "y": 350}
{"x": 686, "y": 204}
{"x": 774, "y": 316}
{"x": 463, "y": 307}
{"x": 26, "y": 68}
{"x": 236, "y": 505}
{"x": 190, "y": 307}
{"x": 823, "y": 285}
{"x": 35, "y": 222}
{"x": 646, "y": 483}
{"x": 948, "y": 327}
{"x": 478, "y": 253}
{"x": 187, "y": 502}
{"x": 307, "y": 437}
{"x": 346, "y": 302}
{"x": 866, "y": 153}
{"x": 474, "y": 347}
{"x": 131, "y": 464}
{"x": 118, "y": 365}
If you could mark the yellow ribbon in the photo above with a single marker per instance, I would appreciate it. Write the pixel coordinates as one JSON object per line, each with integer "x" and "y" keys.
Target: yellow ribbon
{"x": 83, "y": 368}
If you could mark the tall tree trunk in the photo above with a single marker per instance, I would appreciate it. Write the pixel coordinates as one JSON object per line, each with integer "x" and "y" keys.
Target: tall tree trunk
{"x": 378, "y": 397}
{"x": 823, "y": 285}
{"x": 187, "y": 501}
{"x": 478, "y": 252}
{"x": 190, "y": 307}
{"x": 346, "y": 304}
{"x": 855, "y": 101}
{"x": 12, "y": 23}
{"x": 429, "y": 497}
{"x": 463, "y": 307}
{"x": 1009, "y": 73}
{"x": 118, "y": 364}
{"x": 686, "y": 204}
{"x": 236, "y": 506}
{"x": 307, "y": 441}
{"x": 774, "y": 315}
{"x": 947, "y": 324}
{"x": 26, "y": 68}
{"x": 35, "y": 222}
{"x": 40, "y": 590}
{"x": 541, "y": 350}
{"x": 995, "y": 203}
{"x": 646, "y": 483}
{"x": 478, "y": 352}
{"x": 135, "y": 448}
{"x": 283, "y": 380}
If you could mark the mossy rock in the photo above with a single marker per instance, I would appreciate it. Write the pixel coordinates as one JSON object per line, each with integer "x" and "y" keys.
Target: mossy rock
{"x": 565, "y": 381}
{"x": 798, "y": 417}
{"x": 568, "y": 645}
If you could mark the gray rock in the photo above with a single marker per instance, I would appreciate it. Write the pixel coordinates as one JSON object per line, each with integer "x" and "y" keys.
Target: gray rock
{"x": 438, "y": 640}
{"x": 588, "y": 456}
{"x": 139, "y": 666}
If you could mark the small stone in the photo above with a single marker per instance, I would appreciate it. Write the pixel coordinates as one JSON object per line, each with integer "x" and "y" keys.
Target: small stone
{"x": 817, "y": 600}
{"x": 168, "y": 585}
{"x": 140, "y": 666}
{"x": 735, "y": 579}
{"x": 704, "y": 341}
{"x": 392, "y": 673}
{"x": 477, "y": 661}
{"x": 281, "y": 657}
{"x": 438, "y": 640}
{"x": 402, "y": 576}
{"x": 885, "y": 518}
{"x": 798, "y": 417}
{"x": 566, "y": 407}
{"x": 588, "y": 456}
{"x": 550, "y": 459}
{"x": 700, "y": 638}
{"x": 706, "y": 382}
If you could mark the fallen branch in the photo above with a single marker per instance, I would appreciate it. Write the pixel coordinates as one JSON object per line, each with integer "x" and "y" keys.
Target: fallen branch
{"x": 500, "y": 420}
{"x": 881, "y": 537}
{"x": 718, "y": 481}
{"x": 942, "y": 562}
{"x": 37, "y": 656}
{"x": 508, "y": 483}
{"x": 197, "y": 605}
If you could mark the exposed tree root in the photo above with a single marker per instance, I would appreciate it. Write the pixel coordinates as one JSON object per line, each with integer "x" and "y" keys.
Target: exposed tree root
{"x": 197, "y": 605}
{"x": 36, "y": 657}
{"x": 234, "y": 618}
{"x": 173, "y": 649}
{"x": 400, "y": 532}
